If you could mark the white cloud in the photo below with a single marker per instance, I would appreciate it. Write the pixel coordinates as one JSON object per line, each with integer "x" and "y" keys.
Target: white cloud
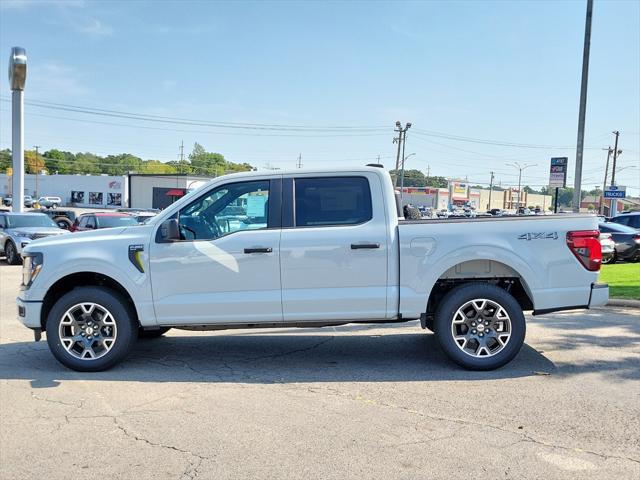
{"x": 23, "y": 4}
{"x": 55, "y": 80}
{"x": 94, "y": 27}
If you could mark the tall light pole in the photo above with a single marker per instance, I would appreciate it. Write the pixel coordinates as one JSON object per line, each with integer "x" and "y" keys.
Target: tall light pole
{"x": 613, "y": 210}
{"x": 490, "y": 191}
{"x": 404, "y": 159}
{"x": 401, "y": 139}
{"x": 520, "y": 169}
{"x": 577, "y": 182}
{"x": 17, "y": 79}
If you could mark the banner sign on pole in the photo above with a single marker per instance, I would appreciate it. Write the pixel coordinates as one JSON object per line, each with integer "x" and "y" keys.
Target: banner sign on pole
{"x": 615, "y": 191}
{"x": 558, "y": 172}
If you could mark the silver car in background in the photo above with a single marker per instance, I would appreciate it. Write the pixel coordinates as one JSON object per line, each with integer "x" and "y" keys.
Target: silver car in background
{"x": 17, "y": 230}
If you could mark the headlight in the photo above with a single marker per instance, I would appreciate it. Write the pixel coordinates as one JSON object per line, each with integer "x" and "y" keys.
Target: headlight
{"x": 26, "y": 235}
{"x": 31, "y": 266}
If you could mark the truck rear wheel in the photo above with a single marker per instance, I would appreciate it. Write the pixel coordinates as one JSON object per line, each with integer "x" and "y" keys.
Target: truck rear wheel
{"x": 91, "y": 329}
{"x": 480, "y": 326}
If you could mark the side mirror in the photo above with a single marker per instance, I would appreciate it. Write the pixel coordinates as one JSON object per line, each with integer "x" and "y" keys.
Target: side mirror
{"x": 169, "y": 231}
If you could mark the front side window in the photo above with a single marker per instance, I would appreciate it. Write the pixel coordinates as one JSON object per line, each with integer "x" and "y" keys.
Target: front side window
{"x": 226, "y": 209}
{"x": 332, "y": 201}
{"x": 91, "y": 221}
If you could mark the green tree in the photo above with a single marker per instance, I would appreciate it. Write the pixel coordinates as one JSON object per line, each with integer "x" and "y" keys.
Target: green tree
{"x": 121, "y": 164}
{"x": 86, "y": 163}
{"x": 156, "y": 166}
{"x": 207, "y": 163}
{"x": 5, "y": 159}
{"x": 57, "y": 161}
{"x": 33, "y": 163}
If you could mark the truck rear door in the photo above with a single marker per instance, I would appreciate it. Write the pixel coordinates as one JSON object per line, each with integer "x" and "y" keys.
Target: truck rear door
{"x": 333, "y": 248}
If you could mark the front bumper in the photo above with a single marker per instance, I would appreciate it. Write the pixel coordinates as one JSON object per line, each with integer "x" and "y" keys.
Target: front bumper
{"x": 599, "y": 295}
{"x": 29, "y": 313}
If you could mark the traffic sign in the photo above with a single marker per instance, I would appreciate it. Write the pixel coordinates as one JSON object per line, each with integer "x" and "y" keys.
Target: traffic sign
{"x": 615, "y": 191}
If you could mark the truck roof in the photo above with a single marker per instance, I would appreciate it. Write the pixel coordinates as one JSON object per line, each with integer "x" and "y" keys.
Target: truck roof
{"x": 298, "y": 171}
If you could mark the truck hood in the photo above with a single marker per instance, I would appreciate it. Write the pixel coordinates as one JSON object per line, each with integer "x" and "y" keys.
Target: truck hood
{"x": 44, "y": 231}
{"x": 94, "y": 237}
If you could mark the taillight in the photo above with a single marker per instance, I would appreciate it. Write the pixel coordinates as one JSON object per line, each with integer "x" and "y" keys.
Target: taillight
{"x": 585, "y": 246}
{"x": 637, "y": 238}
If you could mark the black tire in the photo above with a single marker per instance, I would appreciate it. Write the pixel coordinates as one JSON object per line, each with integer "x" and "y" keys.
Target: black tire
{"x": 121, "y": 311}
{"x": 54, "y": 206}
{"x": 11, "y": 252}
{"x": 456, "y": 299}
{"x": 63, "y": 222}
{"x": 149, "y": 334}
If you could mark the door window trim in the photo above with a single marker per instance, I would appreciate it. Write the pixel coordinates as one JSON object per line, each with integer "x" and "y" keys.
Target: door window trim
{"x": 289, "y": 202}
{"x": 274, "y": 215}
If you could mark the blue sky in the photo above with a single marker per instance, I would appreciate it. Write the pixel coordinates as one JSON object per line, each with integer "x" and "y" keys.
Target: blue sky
{"x": 506, "y": 71}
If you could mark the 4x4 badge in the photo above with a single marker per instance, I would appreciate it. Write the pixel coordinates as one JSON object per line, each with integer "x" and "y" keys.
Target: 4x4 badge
{"x": 539, "y": 236}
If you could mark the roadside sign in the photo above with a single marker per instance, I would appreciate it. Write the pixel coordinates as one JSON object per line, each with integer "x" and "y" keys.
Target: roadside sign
{"x": 615, "y": 191}
{"x": 558, "y": 172}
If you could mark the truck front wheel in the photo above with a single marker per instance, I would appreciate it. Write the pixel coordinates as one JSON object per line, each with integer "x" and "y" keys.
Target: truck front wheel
{"x": 91, "y": 329}
{"x": 480, "y": 326}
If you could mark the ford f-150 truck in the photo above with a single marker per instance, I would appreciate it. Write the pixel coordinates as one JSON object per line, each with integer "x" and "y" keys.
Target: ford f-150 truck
{"x": 307, "y": 249}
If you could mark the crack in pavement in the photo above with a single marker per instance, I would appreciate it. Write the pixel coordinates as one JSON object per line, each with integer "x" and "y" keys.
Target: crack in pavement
{"x": 526, "y": 437}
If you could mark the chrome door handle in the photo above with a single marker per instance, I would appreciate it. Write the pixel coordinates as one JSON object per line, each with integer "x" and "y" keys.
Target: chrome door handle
{"x": 258, "y": 250}
{"x": 360, "y": 246}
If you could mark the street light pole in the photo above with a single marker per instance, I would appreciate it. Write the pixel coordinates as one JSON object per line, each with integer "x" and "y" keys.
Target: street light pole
{"x": 17, "y": 79}
{"x": 520, "y": 169}
{"x": 401, "y": 139}
{"x": 37, "y": 168}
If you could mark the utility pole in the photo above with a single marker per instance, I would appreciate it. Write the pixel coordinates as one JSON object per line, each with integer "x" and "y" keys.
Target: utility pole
{"x": 614, "y": 202}
{"x": 577, "y": 183}
{"x": 299, "y": 164}
{"x": 426, "y": 183}
{"x": 520, "y": 169}
{"x": 37, "y": 168}
{"x": 604, "y": 183}
{"x": 490, "y": 191}
{"x": 179, "y": 169}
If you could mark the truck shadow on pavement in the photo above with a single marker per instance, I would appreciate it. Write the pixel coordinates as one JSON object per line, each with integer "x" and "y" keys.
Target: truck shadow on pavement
{"x": 268, "y": 359}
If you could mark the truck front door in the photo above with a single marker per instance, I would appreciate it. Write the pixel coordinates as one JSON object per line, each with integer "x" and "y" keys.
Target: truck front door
{"x": 226, "y": 266}
{"x": 333, "y": 248}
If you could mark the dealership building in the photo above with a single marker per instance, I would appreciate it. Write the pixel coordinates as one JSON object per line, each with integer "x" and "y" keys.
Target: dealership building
{"x": 108, "y": 191}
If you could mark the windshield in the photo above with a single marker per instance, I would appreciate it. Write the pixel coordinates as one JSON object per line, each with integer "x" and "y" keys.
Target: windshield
{"x": 616, "y": 228}
{"x": 109, "y": 222}
{"x": 35, "y": 220}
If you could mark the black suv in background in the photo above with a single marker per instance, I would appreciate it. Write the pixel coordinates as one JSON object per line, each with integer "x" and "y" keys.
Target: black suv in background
{"x": 631, "y": 219}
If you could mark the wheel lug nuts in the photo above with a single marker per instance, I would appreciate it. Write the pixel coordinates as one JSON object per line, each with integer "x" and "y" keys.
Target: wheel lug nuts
{"x": 473, "y": 324}
{"x": 481, "y": 334}
{"x": 473, "y": 331}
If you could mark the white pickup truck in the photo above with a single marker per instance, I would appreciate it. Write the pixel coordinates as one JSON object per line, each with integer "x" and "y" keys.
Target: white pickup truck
{"x": 306, "y": 249}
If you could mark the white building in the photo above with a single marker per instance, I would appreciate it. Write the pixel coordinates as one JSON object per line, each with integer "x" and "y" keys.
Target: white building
{"x": 108, "y": 191}
{"x": 96, "y": 191}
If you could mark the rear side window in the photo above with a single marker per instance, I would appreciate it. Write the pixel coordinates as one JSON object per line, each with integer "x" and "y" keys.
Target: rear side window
{"x": 332, "y": 201}
{"x": 622, "y": 220}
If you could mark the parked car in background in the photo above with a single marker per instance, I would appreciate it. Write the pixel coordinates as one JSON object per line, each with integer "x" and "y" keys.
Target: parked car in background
{"x": 17, "y": 230}
{"x": 63, "y": 218}
{"x": 608, "y": 247}
{"x": 7, "y": 200}
{"x": 626, "y": 239}
{"x": 94, "y": 221}
{"x": 28, "y": 201}
{"x": 497, "y": 212}
{"x": 50, "y": 202}
{"x": 143, "y": 215}
{"x": 631, "y": 219}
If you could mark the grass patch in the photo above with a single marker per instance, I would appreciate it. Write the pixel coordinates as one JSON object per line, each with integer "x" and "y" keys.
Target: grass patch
{"x": 623, "y": 280}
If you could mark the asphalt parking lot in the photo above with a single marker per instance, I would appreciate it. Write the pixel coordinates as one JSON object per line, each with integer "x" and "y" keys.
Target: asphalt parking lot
{"x": 348, "y": 402}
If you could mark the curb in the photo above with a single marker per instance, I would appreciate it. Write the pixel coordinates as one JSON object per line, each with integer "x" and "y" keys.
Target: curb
{"x": 620, "y": 302}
